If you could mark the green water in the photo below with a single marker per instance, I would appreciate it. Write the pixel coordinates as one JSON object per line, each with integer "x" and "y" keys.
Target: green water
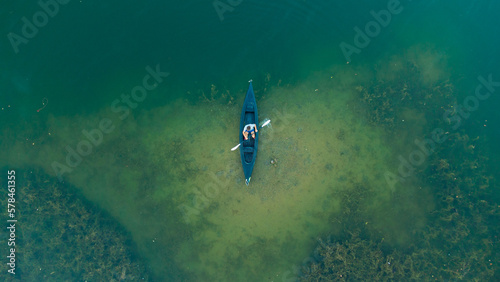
{"x": 160, "y": 175}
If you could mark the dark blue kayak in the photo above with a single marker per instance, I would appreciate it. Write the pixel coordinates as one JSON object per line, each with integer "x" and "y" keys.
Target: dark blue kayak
{"x": 248, "y": 148}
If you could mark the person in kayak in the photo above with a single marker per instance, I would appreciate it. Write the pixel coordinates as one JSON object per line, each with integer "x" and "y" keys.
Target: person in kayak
{"x": 250, "y": 128}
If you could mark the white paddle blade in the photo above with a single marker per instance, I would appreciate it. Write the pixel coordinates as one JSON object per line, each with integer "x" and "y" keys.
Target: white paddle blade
{"x": 236, "y": 147}
{"x": 265, "y": 123}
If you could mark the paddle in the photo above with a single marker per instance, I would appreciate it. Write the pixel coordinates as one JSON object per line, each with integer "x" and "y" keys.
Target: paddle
{"x": 265, "y": 123}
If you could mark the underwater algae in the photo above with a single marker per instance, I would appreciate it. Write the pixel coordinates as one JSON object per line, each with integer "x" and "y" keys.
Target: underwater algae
{"x": 460, "y": 241}
{"x": 460, "y": 238}
{"x": 62, "y": 237}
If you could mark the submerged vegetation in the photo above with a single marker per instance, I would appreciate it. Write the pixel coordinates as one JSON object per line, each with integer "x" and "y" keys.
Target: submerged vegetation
{"x": 64, "y": 238}
{"x": 460, "y": 240}
{"x": 386, "y": 99}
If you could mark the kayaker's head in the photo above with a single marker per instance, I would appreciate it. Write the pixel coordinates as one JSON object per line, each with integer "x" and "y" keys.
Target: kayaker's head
{"x": 248, "y": 128}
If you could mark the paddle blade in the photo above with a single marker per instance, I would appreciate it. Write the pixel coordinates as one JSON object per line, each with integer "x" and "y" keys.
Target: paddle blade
{"x": 265, "y": 123}
{"x": 236, "y": 147}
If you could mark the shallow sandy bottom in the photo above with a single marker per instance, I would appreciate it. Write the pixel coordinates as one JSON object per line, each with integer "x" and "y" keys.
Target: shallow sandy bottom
{"x": 169, "y": 177}
{"x": 260, "y": 231}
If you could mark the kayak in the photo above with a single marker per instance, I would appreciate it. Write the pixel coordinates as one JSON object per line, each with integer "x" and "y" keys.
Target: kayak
{"x": 248, "y": 148}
